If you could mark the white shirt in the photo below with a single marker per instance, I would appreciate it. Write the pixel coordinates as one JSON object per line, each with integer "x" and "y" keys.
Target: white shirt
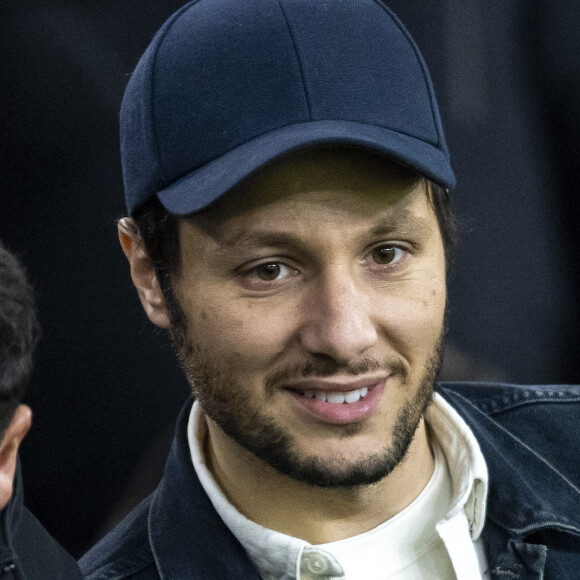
{"x": 436, "y": 536}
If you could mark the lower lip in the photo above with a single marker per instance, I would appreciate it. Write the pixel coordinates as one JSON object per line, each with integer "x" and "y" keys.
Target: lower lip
{"x": 342, "y": 413}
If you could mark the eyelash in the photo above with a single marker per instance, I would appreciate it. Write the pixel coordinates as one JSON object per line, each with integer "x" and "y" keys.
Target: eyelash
{"x": 251, "y": 274}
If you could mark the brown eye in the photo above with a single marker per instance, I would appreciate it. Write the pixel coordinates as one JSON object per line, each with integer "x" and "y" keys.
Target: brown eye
{"x": 268, "y": 271}
{"x": 386, "y": 254}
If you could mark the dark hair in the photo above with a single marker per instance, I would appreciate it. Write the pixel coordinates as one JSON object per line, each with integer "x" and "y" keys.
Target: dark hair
{"x": 441, "y": 203}
{"x": 159, "y": 231}
{"x": 19, "y": 333}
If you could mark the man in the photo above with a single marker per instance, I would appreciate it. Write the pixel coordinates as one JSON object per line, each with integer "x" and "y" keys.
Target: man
{"x": 27, "y": 551}
{"x": 287, "y": 175}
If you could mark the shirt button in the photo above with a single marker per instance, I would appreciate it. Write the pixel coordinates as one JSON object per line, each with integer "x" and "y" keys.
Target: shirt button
{"x": 317, "y": 563}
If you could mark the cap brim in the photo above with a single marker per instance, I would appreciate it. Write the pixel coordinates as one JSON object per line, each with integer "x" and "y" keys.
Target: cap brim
{"x": 201, "y": 187}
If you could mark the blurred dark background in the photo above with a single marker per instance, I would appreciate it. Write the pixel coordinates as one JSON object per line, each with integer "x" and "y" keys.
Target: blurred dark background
{"x": 106, "y": 389}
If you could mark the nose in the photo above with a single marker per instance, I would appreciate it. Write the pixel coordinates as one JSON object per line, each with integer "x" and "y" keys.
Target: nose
{"x": 338, "y": 319}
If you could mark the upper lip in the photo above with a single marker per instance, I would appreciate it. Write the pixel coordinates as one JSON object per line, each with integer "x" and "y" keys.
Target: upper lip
{"x": 334, "y": 384}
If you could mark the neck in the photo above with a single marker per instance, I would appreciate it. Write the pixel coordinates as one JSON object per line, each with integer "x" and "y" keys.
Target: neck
{"x": 317, "y": 515}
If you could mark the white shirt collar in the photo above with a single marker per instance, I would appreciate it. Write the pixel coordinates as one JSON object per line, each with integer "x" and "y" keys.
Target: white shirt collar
{"x": 277, "y": 555}
{"x": 465, "y": 462}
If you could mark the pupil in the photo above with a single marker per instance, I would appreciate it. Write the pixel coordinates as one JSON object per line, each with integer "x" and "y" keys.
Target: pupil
{"x": 269, "y": 271}
{"x": 384, "y": 255}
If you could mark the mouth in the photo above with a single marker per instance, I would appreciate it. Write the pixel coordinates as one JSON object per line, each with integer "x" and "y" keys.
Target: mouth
{"x": 336, "y": 397}
{"x": 338, "y": 401}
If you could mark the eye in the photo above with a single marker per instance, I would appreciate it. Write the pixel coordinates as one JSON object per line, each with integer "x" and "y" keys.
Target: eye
{"x": 271, "y": 271}
{"x": 267, "y": 276}
{"x": 387, "y": 254}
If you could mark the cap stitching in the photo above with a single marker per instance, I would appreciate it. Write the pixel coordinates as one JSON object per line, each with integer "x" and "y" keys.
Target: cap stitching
{"x": 426, "y": 77}
{"x": 169, "y": 25}
{"x": 300, "y": 68}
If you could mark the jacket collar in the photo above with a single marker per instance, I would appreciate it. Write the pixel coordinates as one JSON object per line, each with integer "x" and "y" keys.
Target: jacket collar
{"x": 527, "y": 493}
{"x": 10, "y": 518}
{"x": 184, "y": 526}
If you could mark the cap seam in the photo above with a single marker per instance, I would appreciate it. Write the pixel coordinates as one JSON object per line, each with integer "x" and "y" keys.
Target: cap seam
{"x": 151, "y": 95}
{"x": 299, "y": 60}
{"x": 370, "y": 114}
{"x": 426, "y": 77}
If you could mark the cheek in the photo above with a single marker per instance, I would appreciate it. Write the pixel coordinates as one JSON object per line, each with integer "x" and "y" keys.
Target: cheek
{"x": 415, "y": 318}
{"x": 245, "y": 335}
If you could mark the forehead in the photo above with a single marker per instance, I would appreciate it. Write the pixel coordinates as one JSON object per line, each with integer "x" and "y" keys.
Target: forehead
{"x": 339, "y": 178}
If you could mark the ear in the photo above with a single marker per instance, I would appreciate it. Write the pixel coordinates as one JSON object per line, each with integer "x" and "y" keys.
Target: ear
{"x": 14, "y": 435}
{"x": 143, "y": 273}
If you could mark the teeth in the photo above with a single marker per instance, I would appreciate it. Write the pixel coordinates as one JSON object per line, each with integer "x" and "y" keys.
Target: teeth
{"x": 352, "y": 397}
{"x": 335, "y": 398}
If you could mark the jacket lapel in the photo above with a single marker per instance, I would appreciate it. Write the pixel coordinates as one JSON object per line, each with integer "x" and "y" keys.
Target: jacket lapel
{"x": 188, "y": 538}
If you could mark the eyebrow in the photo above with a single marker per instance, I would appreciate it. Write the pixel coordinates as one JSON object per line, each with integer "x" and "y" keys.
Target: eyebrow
{"x": 403, "y": 222}
{"x": 259, "y": 239}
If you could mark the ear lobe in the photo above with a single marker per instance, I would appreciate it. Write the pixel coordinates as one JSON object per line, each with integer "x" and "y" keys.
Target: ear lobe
{"x": 9, "y": 446}
{"x": 143, "y": 273}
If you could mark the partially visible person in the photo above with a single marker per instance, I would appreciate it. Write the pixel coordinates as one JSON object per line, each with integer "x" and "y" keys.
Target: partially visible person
{"x": 27, "y": 550}
{"x": 289, "y": 224}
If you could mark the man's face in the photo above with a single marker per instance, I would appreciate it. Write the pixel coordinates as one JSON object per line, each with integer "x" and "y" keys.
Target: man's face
{"x": 313, "y": 298}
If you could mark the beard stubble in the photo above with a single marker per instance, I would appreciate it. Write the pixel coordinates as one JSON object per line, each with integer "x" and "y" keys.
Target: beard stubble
{"x": 231, "y": 407}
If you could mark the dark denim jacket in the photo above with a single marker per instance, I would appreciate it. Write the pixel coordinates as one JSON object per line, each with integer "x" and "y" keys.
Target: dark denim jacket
{"x": 530, "y": 437}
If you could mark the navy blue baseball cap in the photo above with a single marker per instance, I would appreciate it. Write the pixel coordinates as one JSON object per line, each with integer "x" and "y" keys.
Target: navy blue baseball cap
{"x": 228, "y": 86}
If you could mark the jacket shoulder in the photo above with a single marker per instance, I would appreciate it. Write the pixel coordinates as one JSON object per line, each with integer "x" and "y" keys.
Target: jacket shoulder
{"x": 540, "y": 418}
{"x": 125, "y": 552}
{"x": 497, "y": 398}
